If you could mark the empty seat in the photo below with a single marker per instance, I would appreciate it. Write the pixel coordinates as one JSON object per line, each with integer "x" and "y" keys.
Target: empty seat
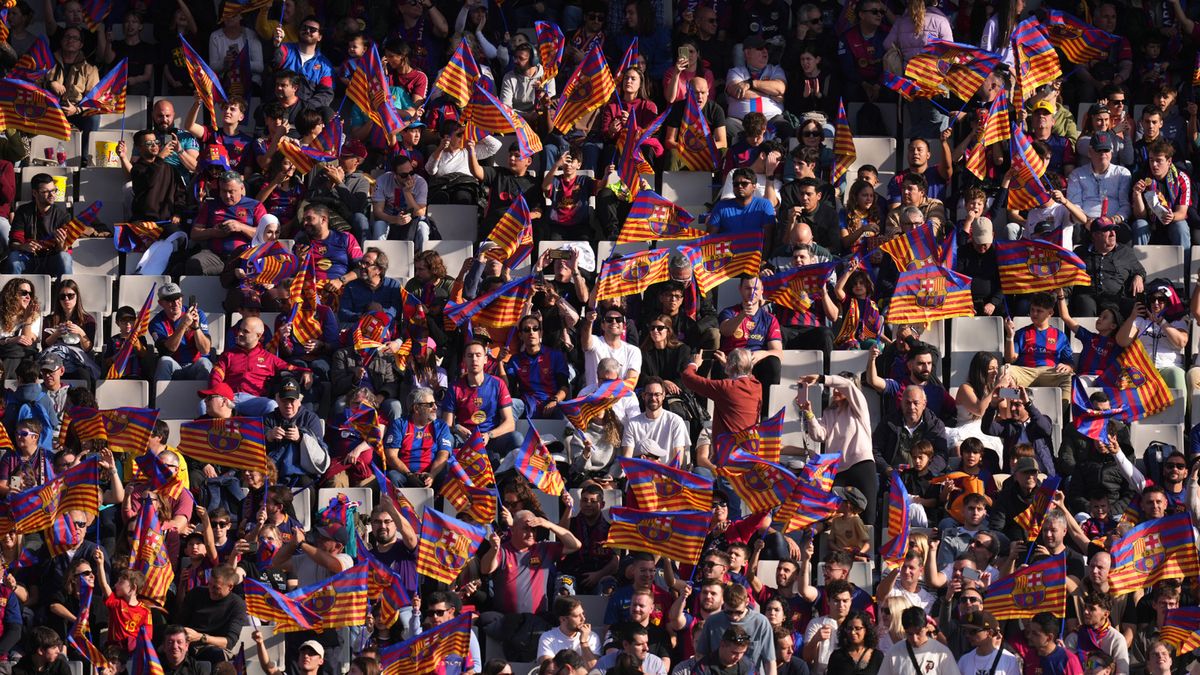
{"x": 107, "y": 186}
{"x": 969, "y": 335}
{"x": 216, "y": 330}
{"x": 133, "y": 289}
{"x": 400, "y": 257}
{"x": 690, "y": 189}
{"x": 178, "y": 399}
{"x": 117, "y": 393}
{"x": 796, "y": 363}
{"x": 456, "y": 221}
{"x": 1162, "y": 261}
{"x": 852, "y": 360}
{"x": 1142, "y": 435}
{"x": 879, "y": 151}
{"x": 210, "y": 295}
{"x": 95, "y": 256}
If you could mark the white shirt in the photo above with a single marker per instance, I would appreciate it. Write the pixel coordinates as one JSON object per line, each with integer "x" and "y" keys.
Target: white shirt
{"x": 553, "y": 641}
{"x": 1088, "y": 189}
{"x": 973, "y": 664}
{"x": 1158, "y": 347}
{"x": 738, "y": 109}
{"x": 821, "y": 663}
{"x": 922, "y": 598}
{"x": 625, "y": 409}
{"x": 933, "y": 657}
{"x": 629, "y": 356}
{"x": 668, "y": 430}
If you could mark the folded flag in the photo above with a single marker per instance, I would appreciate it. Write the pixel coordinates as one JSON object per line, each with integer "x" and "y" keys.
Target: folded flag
{"x": 1155, "y": 550}
{"x": 1041, "y": 587}
{"x": 653, "y": 217}
{"x": 582, "y": 410}
{"x": 446, "y": 545}
{"x": 120, "y": 365}
{"x": 136, "y": 236}
{"x": 145, "y": 658}
{"x": 550, "y": 45}
{"x": 150, "y": 554}
{"x": 844, "y": 153}
{"x": 676, "y": 535}
{"x": 1090, "y": 421}
{"x": 1033, "y": 266}
{"x": 653, "y": 486}
{"x": 632, "y": 274}
{"x": 80, "y": 635}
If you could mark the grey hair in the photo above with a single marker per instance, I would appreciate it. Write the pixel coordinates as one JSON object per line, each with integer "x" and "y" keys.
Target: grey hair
{"x": 415, "y": 393}
{"x": 608, "y": 365}
{"x": 740, "y": 362}
{"x": 909, "y": 211}
{"x": 232, "y": 177}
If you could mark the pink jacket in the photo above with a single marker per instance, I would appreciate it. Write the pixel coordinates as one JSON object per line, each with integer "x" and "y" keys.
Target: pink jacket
{"x": 847, "y": 427}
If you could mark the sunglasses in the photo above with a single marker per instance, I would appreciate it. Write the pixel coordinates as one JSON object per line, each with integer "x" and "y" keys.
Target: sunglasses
{"x": 80, "y": 525}
{"x": 1116, "y": 101}
{"x": 812, "y": 134}
{"x": 1176, "y": 465}
{"x": 657, "y": 327}
{"x": 742, "y": 183}
{"x": 614, "y": 319}
{"x": 221, "y": 523}
{"x": 711, "y": 563}
{"x": 24, "y": 293}
{"x": 27, "y": 434}
{"x": 530, "y": 329}
{"x": 439, "y": 613}
{"x": 310, "y": 29}
{"x": 720, "y": 505}
{"x": 88, "y": 573}
{"x": 426, "y": 404}
{"x": 67, "y": 296}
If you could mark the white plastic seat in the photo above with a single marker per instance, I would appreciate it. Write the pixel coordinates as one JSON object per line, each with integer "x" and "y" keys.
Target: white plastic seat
{"x": 879, "y": 151}
{"x": 456, "y": 221}
{"x": 178, "y": 399}
{"x": 108, "y": 186}
{"x": 210, "y": 294}
{"x": 969, "y": 335}
{"x": 25, "y": 190}
{"x": 1162, "y": 261}
{"x": 784, "y": 397}
{"x": 134, "y": 117}
{"x": 117, "y": 393}
{"x": 216, "y": 330}
{"x": 95, "y": 255}
{"x": 273, "y": 641}
{"x": 399, "y": 254}
{"x": 419, "y": 498}
{"x": 95, "y": 291}
{"x": 1141, "y": 435}
{"x": 132, "y": 290}
{"x": 689, "y": 189}
{"x": 454, "y": 252}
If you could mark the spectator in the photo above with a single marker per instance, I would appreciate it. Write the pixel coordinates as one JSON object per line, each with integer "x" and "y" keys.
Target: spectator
{"x": 764, "y": 93}
{"x": 248, "y": 385}
{"x": 1114, "y": 269}
{"x": 305, "y": 58}
{"x": 36, "y": 240}
{"x": 226, "y": 224}
{"x": 665, "y": 428}
{"x": 738, "y": 614}
{"x": 737, "y": 399}
{"x": 181, "y": 336}
{"x": 1161, "y": 199}
{"x": 573, "y": 632}
{"x": 479, "y": 403}
{"x": 1101, "y": 188}
{"x": 213, "y": 616}
{"x": 399, "y": 201}
{"x": 371, "y": 291}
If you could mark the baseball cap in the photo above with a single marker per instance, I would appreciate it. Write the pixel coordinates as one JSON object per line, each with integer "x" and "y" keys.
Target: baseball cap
{"x": 649, "y": 446}
{"x": 1097, "y": 109}
{"x": 315, "y": 646}
{"x": 415, "y": 124}
{"x": 49, "y": 361}
{"x": 1044, "y": 105}
{"x": 289, "y": 389}
{"x": 1025, "y": 464}
{"x": 852, "y": 495}
{"x": 981, "y": 231}
{"x": 354, "y": 148}
{"x": 980, "y": 621}
{"x": 1102, "y": 141}
{"x": 335, "y": 533}
{"x": 170, "y": 291}
{"x": 1103, "y": 224}
{"x": 126, "y": 312}
{"x": 754, "y": 42}
{"x": 219, "y": 389}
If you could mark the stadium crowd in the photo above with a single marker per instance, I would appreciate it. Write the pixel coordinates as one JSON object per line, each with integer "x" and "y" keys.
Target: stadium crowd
{"x": 907, "y": 466}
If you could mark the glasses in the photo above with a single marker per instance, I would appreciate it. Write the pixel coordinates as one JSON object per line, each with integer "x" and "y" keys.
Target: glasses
{"x": 368, "y": 265}
{"x": 1116, "y": 101}
{"x": 79, "y": 524}
{"x": 657, "y": 327}
{"x": 27, "y": 434}
{"x": 720, "y": 505}
{"x": 1176, "y": 465}
{"x": 221, "y": 523}
{"x": 595, "y": 15}
{"x": 439, "y": 613}
{"x": 88, "y": 573}
{"x": 971, "y": 600}
{"x": 738, "y": 639}
{"x": 742, "y": 183}
{"x": 614, "y": 319}
{"x": 426, "y": 404}
{"x": 709, "y": 564}
{"x": 150, "y": 141}
{"x": 530, "y": 329}
{"x": 47, "y": 191}
{"x": 24, "y": 293}
{"x": 811, "y": 134}
{"x": 66, "y": 296}
{"x": 310, "y": 29}
{"x": 1157, "y": 298}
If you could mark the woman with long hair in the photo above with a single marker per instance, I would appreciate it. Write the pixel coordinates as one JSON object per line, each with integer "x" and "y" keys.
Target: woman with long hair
{"x": 997, "y": 31}
{"x": 663, "y": 354}
{"x": 972, "y": 400}
{"x": 633, "y": 107}
{"x": 845, "y": 424}
{"x": 888, "y": 629}
{"x": 857, "y": 652}
{"x": 63, "y": 605}
{"x": 862, "y": 221}
{"x": 20, "y": 322}
{"x": 654, "y": 42}
{"x": 861, "y": 324}
{"x": 281, "y": 190}
{"x": 70, "y": 331}
{"x": 685, "y": 68}
{"x": 921, "y": 22}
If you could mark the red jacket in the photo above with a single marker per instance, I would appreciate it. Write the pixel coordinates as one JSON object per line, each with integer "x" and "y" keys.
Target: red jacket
{"x": 248, "y": 371}
{"x": 736, "y": 403}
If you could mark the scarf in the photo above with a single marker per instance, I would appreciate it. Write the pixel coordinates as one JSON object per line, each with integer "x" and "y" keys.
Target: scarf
{"x": 1089, "y": 639}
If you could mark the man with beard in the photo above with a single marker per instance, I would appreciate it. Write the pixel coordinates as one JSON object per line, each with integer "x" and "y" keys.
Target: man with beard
{"x": 662, "y": 426}
{"x": 920, "y": 374}
{"x": 305, "y": 58}
{"x": 684, "y": 625}
{"x": 594, "y": 560}
{"x": 184, "y": 150}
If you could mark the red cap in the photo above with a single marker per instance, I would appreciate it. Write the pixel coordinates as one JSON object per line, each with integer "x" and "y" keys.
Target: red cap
{"x": 218, "y": 389}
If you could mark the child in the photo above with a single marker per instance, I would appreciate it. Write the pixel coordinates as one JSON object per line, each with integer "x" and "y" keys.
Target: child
{"x": 356, "y": 47}
{"x": 126, "y": 614}
{"x": 1099, "y": 347}
{"x": 140, "y": 363}
{"x": 738, "y": 555}
{"x": 918, "y": 480}
{"x": 570, "y": 214}
{"x": 862, "y": 324}
{"x": 846, "y": 529}
{"x": 1100, "y": 522}
{"x": 1039, "y": 354}
{"x": 1174, "y": 128}
{"x": 869, "y": 173}
{"x": 1040, "y": 649}
{"x": 1096, "y": 632}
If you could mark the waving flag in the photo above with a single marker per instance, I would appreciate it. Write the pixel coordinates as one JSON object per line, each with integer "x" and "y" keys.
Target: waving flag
{"x": 486, "y": 112}
{"x": 4, "y": 31}
{"x": 1080, "y": 42}
{"x": 896, "y": 547}
{"x": 1027, "y": 191}
{"x": 632, "y": 164}
{"x": 305, "y": 297}
{"x": 653, "y": 217}
{"x": 473, "y": 458}
{"x": 1041, "y": 587}
{"x": 31, "y": 109}
{"x": 654, "y": 486}
{"x": 340, "y": 601}
{"x": 844, "y": 153}
{"x": 446, "y": 546}
{"x": 127, "y": 430}
{"x": 428, "y": 651}
{"x": 135, "y": 236}
{"x": 303, "y": 157}
{"x": 513, "y": 235}
{"x": 1089, "y": 421}
{"x": 120, "y": 365}
{"x": 34, "y": 509}
{"x": 796, "y": 288}
{"x": 478, "y": 502}
{"x": 145, "y": 658}
{"x": 919, "y": 248}
{"x": 697, "y": 149}
{"x": 930, "y": 293}
{"x": 1032, "y": 266}
{"x": 630, "y": 59}
{"x": 1034, "y": 515}
{"x": 1135, "y": 385}
{"x": 1153, "y": 551}
{"x": 34, "y": 64}
{"x": 385, "y": 587}
{"x": 75, "y": 227}
{"x": 150, "y": 554}
{"x": 997, "y": 127}
{"x": 459, "y": 76}
{"x": 237, "y": 442}
{"x": 1196, "y": 72}
{"x": 761, "y": 484}
{"x": 286, "y": 612}
{"x": 239, "y": 80}
{"x": 270, "y": 264}
{"x": 499, "y": 309}
{"x": 632, "y": 274}
{"x": 95, "y": 12}
{"x": 1182, "y": 629}
{"x": 80, "y": 635}
{"x": 961, "y": 68}
{"x": 232, "y": 8}
{"x": 536, "y": 464}
{"x": 589, "y": 87}
{"x": 206, "y": 82}
{"x": 550, "y": 44}
{"x": 368, "y": 89}
{"x": 1042, "y": 66}
{"x": 718, "y": 258}
{"x": 108, "y": 96}
{"x": 158, "y": 476}
{"x": 764, "y": 439}
{"x": 907, "y": 89}
{"x": 581, "y": 411}
{"x": 676, "y": 535}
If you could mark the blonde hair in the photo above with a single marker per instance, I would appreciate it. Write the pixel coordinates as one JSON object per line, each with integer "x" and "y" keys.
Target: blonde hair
{"x": 895, "y": 605}
{"x": 918, "y": 543}
{"x": 916, "y": 12}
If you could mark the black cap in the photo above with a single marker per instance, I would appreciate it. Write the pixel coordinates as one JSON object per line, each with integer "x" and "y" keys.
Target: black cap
{"x": 289, "y": 388}
{"x": 754, "y": 42}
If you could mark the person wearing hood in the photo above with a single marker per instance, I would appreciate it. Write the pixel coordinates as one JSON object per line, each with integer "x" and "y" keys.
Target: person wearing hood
{"x": 1159, "y": 320}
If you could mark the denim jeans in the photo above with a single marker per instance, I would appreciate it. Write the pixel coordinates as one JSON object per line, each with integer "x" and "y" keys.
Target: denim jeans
{"x": 170, "y": 369}
{"x": 1178, "y": 233}
{"x": 54, "y": 264}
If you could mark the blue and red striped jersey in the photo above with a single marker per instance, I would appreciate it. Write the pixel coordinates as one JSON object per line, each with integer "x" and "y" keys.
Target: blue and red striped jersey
{"x": 538, "y": 376}
{"x": 418, "y": 445}
{"x": 1097, "y": 352}
{"x": 1037, "y": 348}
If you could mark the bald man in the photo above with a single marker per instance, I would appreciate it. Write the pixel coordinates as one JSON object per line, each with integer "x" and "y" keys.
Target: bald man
{"x": 248, "y": 368}
{"x": 185, "y": 149}
{"x": 894, "y": 437}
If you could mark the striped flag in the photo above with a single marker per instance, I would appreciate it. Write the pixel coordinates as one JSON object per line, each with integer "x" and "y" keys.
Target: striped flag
{"x": 487, "y": 113}
{"x": 368, "y": 89}
{"x": 536, "y": 464}
{"x": 4, "y": 31}
{"x": 150, "y": 468}
{"x": 81, "y": 487}
{"x": 499, "y": 309}
{"x": 234, "y": 8}
{"x": 632, "y": 164}
{"x": 920, "y": 247}
{"x": 1041, "y": 587}
{"x": 459, "y": 76}
{"x": 206, "y": 82}
{"x": 1034, "y": 515}
{"x": 35, "y": 63}
{"x": 120, "y": 365}
{"x": 590, "y": 86}
{"x": 654, "y": 486}
{"x": 303, "y": 157}
{"x": 513, "y": 235}
{"x": 287, "y": 613}
{"x": 975, "y": 159}
{"x": 844, "y": 153}
{"x": 34, "y": 509}
{"x": 581, "y": 411}
{"x": 907, "y": 89}
{"x": 764, "y": 439}
{"x": 446, "y": 546}
{"x": 29, "y": 108}
{"x": 427, "y": 652}
{"x": 1032, "y": 266}
{"x": 998, "y": 124}
{"x": 145, "y": 658}
{"x": 1196, "y": 72}
{"x": 478, "y": 502}
{"x": 697, "y": 149}
{"x": 339, "y": 602}
{"x": 896, "y": 547}
{"x": 632, "y": 274}
{"x": 1182, "y": 629}
{"x": 930, "y": 293}
{"x": 796, "y": 288}
{"x": 550, "y": 44}
{"x": 75, "y": 227}
{"x": 269, "y": 263}
{"x": 1080, "y": 42}
{"x": 959, "y": 67}
{"x": 1155, "y": 550}
{"x": 1027, "y": 191}
{"x": 761, "y": 484}
{"x": 80, "y": 635}
{"x": 718, "y": 258}
{"x": 95, "y": 12}
{"x": 1089, "y": 421}
{"x": 237, "y": 442}
{"x": 385, "y": 587}
{"x": 135, "y": 236}
{"x": 676, "y": 535}
{"x": 239, "y": 81}
{"x": 653, "y": 217}
{"x": 150, "y": 554}
{"x": 108, "y": 96}
{"x": 128, "y": 429}
{"x": 630, "y": 59}
{"x": 1038, "y": 62}
{"x": 1135, "y": 385}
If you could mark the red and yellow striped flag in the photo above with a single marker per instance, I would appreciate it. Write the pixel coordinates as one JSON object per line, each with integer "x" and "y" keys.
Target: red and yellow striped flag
{"x": 589, "y": 87}
{"x": 844, "y": 153}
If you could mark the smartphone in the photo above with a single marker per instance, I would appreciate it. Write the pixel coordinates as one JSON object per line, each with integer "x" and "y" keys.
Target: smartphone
{"x": 559, "y": 254}
{"x": 970, "y": 574}
{"x": 191, "y": 301}
{"x": 1010, "y": 392}
{"x": 707, "y": 353}
{"x": 681, "y": 53}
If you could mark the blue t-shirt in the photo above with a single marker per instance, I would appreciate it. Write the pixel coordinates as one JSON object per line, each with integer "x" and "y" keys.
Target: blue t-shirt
{"x": 1042, "y": 348}
{"x": 730, "y": 217}
{"x": 162, "y": 328}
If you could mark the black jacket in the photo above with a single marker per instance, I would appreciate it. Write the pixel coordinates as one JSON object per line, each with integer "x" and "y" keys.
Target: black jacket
{"x": 1006, "y": 505}
{"x": 1039, "y": 431}
{"x": 985, "y": 275}
{"x": 892, "y": 441}
{"x": 1097, "y": 473}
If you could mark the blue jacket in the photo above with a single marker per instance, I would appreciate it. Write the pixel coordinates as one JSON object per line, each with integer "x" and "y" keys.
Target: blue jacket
{"x": 357, "y": 295}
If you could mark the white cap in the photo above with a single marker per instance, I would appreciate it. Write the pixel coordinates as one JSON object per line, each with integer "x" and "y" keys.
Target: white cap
{"x": 315, "y": 646}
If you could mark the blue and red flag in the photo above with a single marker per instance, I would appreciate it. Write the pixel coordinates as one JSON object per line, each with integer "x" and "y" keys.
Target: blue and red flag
{"x": 267, "y": 604}
{"x": 1041, "y": 587}
{"x": 654, "y": 486}
{"x": 446, "y": 546}
{"x": 340, "y": 601}
{"x": 907, "y": 89}
{"x": 95, "y": 12}
{"x": 1042, "y": 66}
{"x": 1159, "y": 549}
{"x": 206, "y": 82}
{"x": 1079, "y": 41}
{"x": 385, "y": 587}
{"x": 369, "y": 90}
{"x": 457, "y": 80}
{"x": 550, "y": 44}
{"x": 582, "y": 410}
{"x": 1026, "y": 191}
{"x": 31, "y": 109}
{"x": 80, "y": 635}
{"x": 896, "y": 547}
{"x": 697, "y": 148}
{"x": 1090, "y": 421}
{"x": 237, "y": 442}
{"x": 590, "y": 87}
{"x": 653, "y": 217}
{"x": 108, "y": 96}
{"x": 920, "y": 247}
{"x": 499, "y": 309}
{"x": 630, "y": 59}
{"x": 632, "y": 274}
{"x": 34, "y": 64}
{"x": 137, "y": 235}
{"x": 150, "y": 554}
{"x": 485, "y": 112}
{"x": 676, "y": 535}
{"x": 1033, "y": 266}
{"x": 1034, "y": 515}
{"x": 928, "y": 294}
{"x": 797, "y": 288}
{"x": 633, "y": 165}
{"x": 513, "y": 235}
{"x": 1182, "y": 629}
{"x": 1133, "y": 384}
{"x": 718, "y": 258}
{"x": 427, "y": 652}
{"x": 844, "y": 153}
{"x": 239, "y": 80}
{"x": 812, "y": 500}
{"x": 764, "y": 439}
{"x": 534, "y": 461}
{"x": 145, "y": 658}
{"x": 761, "y": 484}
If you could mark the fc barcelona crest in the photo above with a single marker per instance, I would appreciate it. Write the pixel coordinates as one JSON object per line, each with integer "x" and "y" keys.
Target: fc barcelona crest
{"x": 1130, "y": 378}
{"x": 667, "y": 488}
{"x": 932, "y": 293}
{"x": 637, "y": 270}
{"x": 1043, "y": 263}
{"x": 451, "y": 550}
{"x": 582, "y": 90}
{"x": 721, "y": 257}
{"x": 1148, "y": 554}
{"x": 659, "y": 220}
{"x": 694, "y": 143}
{"x": 29, "y": 104}
{"x": 654, "y": 530}
{"x": 225, "y": 437}
{"x": 1028, "y": 591}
